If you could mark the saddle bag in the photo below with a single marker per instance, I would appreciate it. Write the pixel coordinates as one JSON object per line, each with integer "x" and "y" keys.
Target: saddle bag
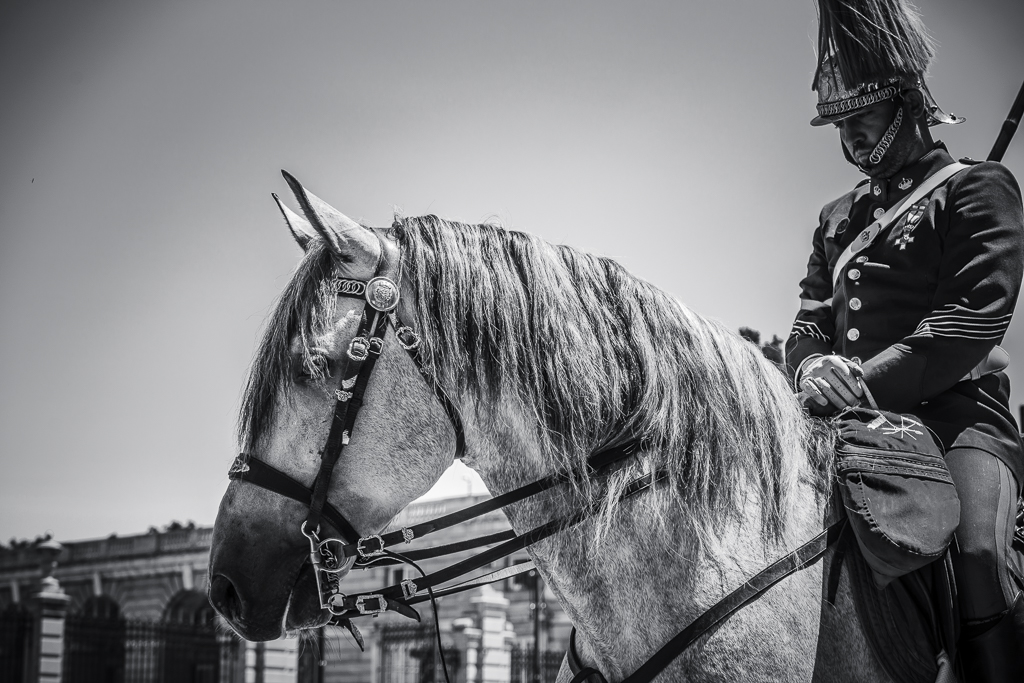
{"x": 897, "y": 490}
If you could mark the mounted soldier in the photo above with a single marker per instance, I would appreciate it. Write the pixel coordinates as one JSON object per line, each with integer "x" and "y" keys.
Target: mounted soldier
{"x": 911, "y": 283}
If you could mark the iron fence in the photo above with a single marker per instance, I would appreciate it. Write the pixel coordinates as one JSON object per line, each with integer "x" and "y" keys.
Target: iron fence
{"x": 522, "y": 665}
{"x": 128, "y": 651}
{"x": 409, "y": 654}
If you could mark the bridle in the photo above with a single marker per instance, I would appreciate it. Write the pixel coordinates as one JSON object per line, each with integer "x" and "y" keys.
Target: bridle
{"x": 381, "y": 295}
{"x": 330, "y": 556}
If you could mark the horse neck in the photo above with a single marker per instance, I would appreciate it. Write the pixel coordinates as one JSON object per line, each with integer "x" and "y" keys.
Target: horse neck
{"x": 645, "y": 580}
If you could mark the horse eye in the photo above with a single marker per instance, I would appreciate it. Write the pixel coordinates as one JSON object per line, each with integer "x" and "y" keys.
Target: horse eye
{"x": 311, "y": 369}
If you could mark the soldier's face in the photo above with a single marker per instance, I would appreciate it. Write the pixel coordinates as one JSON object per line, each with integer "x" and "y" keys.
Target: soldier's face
{"x": 862, "y": 131}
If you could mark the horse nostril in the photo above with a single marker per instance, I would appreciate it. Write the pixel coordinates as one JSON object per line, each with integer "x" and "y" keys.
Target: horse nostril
{"x": 224, "y": 597}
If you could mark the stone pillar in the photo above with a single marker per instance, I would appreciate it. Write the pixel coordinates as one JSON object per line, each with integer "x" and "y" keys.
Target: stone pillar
{"x": 253, "y": 662}
{"x": 281, "y": 660}
{"x": 275, "y": 661}
{"x": 466, "y": 638}
{"x": 49, "y": 607}
{"x": 373, "y": 643}
{"x": 495, "y": 661}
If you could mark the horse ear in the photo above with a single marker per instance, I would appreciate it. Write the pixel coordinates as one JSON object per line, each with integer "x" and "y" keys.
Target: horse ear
{"x": 343, "y": 235}
{"x": 300, "y": 228}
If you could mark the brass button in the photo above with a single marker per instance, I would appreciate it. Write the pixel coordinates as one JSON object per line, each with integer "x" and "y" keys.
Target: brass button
{"x": 854, "y": 274}
{"x": 856, "y": 359}
{"x": 855, "y": 304}
{"x": 879, "y": 212}
{"x": 862, "y": 259}
{"x": 853, "y": 334}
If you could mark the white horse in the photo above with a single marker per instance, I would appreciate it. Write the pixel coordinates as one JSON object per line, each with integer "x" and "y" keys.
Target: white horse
{"x": 549, "y": 354}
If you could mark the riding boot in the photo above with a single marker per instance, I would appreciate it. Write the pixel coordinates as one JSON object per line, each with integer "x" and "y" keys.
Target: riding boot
{"x": 996, "y": 655}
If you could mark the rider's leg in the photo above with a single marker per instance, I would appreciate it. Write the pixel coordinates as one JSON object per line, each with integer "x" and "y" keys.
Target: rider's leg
{"x": 991, "y": 610}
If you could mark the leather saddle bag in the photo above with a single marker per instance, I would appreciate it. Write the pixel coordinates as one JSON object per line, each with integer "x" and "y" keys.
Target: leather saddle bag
{"x": 897, "y": 490}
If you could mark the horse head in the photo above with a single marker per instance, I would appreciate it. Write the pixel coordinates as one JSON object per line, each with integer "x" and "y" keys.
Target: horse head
{"x": 261, "y": 578}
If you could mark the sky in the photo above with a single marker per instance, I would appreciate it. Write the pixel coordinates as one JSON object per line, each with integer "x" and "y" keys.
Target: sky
{"x": 140, "y": 249}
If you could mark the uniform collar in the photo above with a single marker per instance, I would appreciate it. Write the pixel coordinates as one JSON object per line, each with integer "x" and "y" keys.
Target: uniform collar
{"x": 904, "y": 181}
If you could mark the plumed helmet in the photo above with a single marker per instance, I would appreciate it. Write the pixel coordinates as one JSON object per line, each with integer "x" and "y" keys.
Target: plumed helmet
{"x": 870, "y": 51}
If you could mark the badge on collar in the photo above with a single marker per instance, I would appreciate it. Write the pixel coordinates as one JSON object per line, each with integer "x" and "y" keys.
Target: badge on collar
{"x": 905, "y": 184}
{"x": 879, "y": 190}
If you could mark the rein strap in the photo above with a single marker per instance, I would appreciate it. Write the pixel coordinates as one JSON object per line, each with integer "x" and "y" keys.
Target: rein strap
{"x": 354, "y": 605}
{"x": 596, "y": 463}
{"x": 801, "y": 558}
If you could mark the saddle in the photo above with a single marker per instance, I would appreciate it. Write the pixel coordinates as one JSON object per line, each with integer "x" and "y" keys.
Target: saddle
{"x": 893, "y": 486}
{"x": 912, "y": 625}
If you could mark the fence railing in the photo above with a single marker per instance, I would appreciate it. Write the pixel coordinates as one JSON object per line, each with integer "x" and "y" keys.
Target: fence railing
{"x": 409, "y": 654}
{"x": 522, "y": 665}
{"x": 127, "y": 651}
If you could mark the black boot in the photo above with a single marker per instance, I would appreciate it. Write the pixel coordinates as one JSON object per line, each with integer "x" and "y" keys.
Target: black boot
{"x": 997, "y": 654}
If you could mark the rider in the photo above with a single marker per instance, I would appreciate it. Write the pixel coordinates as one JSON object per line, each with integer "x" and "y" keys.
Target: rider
{"x": 912, "y": 318}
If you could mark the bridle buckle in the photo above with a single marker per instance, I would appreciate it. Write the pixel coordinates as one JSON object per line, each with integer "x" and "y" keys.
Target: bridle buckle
{"x": 407, "y": 337}
{"x": 367, "y": 553}
{"x": 359, "y": 349}
{"x": 382, "y": 604}
{"x": 409, "y": 589}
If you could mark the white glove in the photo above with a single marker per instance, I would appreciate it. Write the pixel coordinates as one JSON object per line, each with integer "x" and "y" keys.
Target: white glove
{"x": 830, "y": 383}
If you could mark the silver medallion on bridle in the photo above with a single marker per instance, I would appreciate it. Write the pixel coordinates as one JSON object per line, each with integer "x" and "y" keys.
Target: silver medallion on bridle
{"x": 382, "y": 293}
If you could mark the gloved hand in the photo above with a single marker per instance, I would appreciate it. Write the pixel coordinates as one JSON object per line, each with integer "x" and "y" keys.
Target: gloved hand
{"x": 830, "y": 383}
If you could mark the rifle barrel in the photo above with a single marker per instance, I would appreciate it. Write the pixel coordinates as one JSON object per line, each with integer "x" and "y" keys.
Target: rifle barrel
{"x": 1009, "y": 128}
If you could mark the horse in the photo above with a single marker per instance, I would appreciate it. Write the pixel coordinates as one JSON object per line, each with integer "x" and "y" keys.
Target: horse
{"x": 549, "y": 355}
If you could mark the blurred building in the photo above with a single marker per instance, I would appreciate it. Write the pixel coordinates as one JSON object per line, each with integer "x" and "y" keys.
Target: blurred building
{"x": 133, "y": 609}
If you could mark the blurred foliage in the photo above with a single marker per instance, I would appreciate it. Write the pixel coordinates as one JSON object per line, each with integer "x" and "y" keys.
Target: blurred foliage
{"x": 772, "y": 350}
{"x": 20, "y": 544}
{"x": 173, "y": 526}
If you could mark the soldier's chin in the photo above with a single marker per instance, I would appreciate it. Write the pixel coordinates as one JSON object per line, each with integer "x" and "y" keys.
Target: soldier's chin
{"x": 860, "y": 159}
{"x": 883, "y": 170}
{"x": 863, "y": 160}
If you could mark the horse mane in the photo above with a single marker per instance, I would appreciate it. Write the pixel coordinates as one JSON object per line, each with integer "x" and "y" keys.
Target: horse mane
{"x": 589, "y": 353}
{"x": 594, "y": 355}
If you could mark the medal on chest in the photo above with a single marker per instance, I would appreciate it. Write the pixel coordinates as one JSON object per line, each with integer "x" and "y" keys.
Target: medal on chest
{"x": 910, "y": 222}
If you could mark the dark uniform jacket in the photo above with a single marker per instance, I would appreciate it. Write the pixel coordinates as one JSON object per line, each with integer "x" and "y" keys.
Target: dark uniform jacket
{"x": 926, "y": 302}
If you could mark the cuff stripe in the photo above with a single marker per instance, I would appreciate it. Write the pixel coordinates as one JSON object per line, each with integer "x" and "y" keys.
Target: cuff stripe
{"x": 802, "y": 328}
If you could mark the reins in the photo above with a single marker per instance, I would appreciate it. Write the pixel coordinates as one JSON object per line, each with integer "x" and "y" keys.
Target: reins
{"x": 331, "y": 556}
{"x": 744, "y": 594}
